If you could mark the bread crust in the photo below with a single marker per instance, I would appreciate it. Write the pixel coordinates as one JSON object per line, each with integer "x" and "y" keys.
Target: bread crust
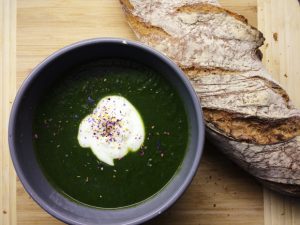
{"x": 207, "y": 8}
{"x": 248, "y": 114}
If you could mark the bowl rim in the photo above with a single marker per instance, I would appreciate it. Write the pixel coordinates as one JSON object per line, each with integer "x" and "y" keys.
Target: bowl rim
{"x": 35, "y": 72}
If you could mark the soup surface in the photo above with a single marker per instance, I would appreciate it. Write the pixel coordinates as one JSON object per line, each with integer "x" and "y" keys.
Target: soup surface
{"x": 75, "y": 171}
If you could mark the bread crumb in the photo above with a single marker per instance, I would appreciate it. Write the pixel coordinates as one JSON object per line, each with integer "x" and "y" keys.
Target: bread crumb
{"x": 4, "y": 212}
{"x": 275, "y": 36}
{"x": 285, "y": 75}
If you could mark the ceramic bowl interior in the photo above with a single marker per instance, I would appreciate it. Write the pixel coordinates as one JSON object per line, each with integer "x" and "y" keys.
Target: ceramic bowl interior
{"x": 20, "y": 132}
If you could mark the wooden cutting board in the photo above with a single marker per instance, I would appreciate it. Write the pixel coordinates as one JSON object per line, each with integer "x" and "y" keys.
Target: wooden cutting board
{"x": 220, "y": 193}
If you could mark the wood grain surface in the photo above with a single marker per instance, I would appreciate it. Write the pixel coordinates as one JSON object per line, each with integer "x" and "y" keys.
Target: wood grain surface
{"x": 280, "y": 22}
{"x": 7, "y": 93}
{"x": 220, "y": 193}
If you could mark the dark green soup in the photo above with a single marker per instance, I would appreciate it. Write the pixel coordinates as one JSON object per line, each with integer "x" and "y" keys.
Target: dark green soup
{"x": 75, "y": 171}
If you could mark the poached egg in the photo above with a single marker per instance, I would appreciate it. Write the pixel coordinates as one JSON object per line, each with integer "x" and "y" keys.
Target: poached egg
{"x": 113, "y": 129}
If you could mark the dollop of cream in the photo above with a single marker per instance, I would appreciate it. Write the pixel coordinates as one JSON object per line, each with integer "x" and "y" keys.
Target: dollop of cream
{"x": 113, "y": 129}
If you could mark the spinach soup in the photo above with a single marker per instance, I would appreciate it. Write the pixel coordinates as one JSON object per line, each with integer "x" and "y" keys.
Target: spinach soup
{"x": 110, "y": 133}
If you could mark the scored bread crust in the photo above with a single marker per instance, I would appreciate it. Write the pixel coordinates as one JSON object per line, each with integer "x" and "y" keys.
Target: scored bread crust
{"x": 248, "y": 115}
{"x": 192, "y": 41}
{"x": 247, "y": 108}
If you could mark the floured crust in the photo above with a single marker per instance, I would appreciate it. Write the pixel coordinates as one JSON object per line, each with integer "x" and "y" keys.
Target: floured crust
{"x": 247, "y": 107}
{"x": 273, "y": 162}
{"x": 248, "y": 115}
{"x": 143, "y": 29}
{"x": 206, "y": 31}
{"x": 207, "y": 8}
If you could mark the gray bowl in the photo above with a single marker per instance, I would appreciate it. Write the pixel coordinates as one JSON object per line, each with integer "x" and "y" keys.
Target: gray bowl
{"x": 20, "y": 132}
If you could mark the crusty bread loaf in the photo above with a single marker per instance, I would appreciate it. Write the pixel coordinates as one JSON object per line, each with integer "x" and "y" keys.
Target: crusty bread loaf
{"x": 248, "y": 115}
